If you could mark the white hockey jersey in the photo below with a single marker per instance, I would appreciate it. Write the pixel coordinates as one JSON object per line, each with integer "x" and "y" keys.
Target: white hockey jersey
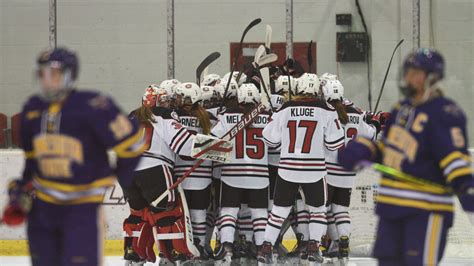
{"x": 274, "y": 152}
{"x": 356, "y": 126}
{"x": 249, "y": 160}
{"x": 166, "y": 137}
{"x": 304, "y": 128}
{"x": 200, "y": 178}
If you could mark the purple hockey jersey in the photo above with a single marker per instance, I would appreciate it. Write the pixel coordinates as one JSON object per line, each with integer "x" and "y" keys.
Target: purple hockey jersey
{"x": 66, "y": 147}
{"x": 427, "y": 141}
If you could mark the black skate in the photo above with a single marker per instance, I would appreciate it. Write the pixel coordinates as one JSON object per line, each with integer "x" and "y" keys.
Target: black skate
{"x": 203, "y": 252}
{"x": 265, "y": 253}
{"x": 313, "y": 252}
{"x": 224, "y": 254}
{"x": 130, "y": 256}
{"x": 344, "y": 249}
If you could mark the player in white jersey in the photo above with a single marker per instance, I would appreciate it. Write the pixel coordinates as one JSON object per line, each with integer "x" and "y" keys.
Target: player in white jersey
{"x": 169, "y": 85}
{"x": 245, "y": 178}
{"x": 197, "y": 185}
{"x": 303, "y": 127}
{"x": 210, "y": 80}
{"x": 228, "y": 98}
{"x": 165, "y": 137}
{"x": 340, "y": 181}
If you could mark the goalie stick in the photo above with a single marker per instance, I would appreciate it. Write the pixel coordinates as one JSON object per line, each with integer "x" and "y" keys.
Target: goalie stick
{"x": 261, "y": 61}
{"x": 204, "y": 64}
{"x": 236, "y": 57}
{"x": 386, "y": 74}
{"x": 246, "y": 120}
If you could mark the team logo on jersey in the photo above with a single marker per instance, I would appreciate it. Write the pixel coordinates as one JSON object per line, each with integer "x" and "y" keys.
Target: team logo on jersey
{"x": 99, "y": 102}
{"x": 177, "y": 125}
{"x": 175, "y": 116}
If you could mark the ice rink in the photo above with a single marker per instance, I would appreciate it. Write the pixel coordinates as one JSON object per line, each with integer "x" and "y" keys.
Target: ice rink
{"x": 116, "y": 260}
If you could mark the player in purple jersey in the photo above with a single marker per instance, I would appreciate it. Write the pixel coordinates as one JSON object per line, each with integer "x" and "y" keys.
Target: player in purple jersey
{"x": 425, "y": 146}
{"x": 65, "y": 135}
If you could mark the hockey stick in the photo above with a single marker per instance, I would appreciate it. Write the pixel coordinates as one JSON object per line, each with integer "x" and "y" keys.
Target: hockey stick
{"x": 236, "y": 57}
{"x": 265, "y": 60}
{"x": 310, "y": 56}
{"x": 268, "y": 39}
{"x": 204, "y": 64}
{"x": 246, "y": 120}
{"x": 188, "y": 225}
{"x": 386, "y": 74}
{"x": 397, "y": 174}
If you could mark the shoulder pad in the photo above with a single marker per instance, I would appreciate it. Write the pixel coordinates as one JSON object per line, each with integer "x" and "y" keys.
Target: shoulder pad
{"x": 234, "y": 110}
{"x": 450, "y": 111}
{"x": 165, "y": 113}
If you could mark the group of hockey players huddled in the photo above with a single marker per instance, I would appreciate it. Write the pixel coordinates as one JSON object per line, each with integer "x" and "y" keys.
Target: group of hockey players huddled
{"x": 246, "y": 161}
{"x": 283, "y": 170}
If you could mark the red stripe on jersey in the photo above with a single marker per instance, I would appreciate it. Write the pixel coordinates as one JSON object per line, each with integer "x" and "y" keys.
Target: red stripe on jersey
{"x": 224, "y": 169}
{"x": 179, "y": 139}
{"x": 304, "y": 164}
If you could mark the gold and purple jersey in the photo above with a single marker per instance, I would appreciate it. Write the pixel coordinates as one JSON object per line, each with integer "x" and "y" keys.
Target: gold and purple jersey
{"x": 427, "y": 141}
{"x": 66, "y": 146}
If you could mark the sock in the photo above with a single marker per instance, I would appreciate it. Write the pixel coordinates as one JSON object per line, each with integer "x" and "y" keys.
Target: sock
{"x": 331, "y": 230}
{"x": 317, "y": 222}
{"x": 302, "y": 219}
{"x": 198, "y": 220}
{"x": 342, "y": 219}
{"x": 227, "y": 222}
{"x": 275, "y": 221}
{"x": 245, "y": 222}
{"x": 259, "y": 221}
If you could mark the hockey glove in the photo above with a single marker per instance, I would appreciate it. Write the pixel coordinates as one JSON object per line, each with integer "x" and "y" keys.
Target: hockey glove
{"x": 19, "y": 202}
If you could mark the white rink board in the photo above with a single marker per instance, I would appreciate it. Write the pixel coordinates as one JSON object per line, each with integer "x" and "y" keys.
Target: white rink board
{"x": 11, "y": 166}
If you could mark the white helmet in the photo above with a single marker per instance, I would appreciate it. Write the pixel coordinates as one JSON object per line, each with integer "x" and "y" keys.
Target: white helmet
{"x": 235, "y": 74}
{"x": 333, "y": 90}
{"x": 210, "y": 80}
{"x": 231, "y": 92}
{"x": 208, "y": 96}
{"x": 328, "y": 76}
{"x": 248, "y": 93}
{"x": 282, "y": 84}
{"x": 189, "y": 90}
{"x": 308, "y": 83}
{"x": 169, "y": 85}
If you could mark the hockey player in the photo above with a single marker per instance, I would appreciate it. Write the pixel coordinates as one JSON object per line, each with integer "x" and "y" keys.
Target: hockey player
{"x": 169, "y": 85}
{"x": 245, "y": 178}
{"x": 210, "y": 80}
{"x": 65, "y": 135}
{"x": 228, "y": 98}
{"x": 340, "y": 182}
{"x": 425, "y": 146}
{"x": 197, "y": 186}
{"x": 166, "y": 137}
{"x": 303, "y": 127}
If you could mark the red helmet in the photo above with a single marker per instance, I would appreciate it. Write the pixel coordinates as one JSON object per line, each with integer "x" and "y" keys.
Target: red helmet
{"x": 153, "y": 96}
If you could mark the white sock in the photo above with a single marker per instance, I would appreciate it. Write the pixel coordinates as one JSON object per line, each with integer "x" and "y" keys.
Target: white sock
{"x": 259, "y": 221}
{"x": 317, "y": 222}
{"x": 342, "y": 219}
{"x": 244, "y": 222}
{"x": 331, "y": 230}
{"x": 227, "y": 222}
{"x": 198, "y": 220}
{"x": 275, "y": 221}
{"x": 302, "y": 219}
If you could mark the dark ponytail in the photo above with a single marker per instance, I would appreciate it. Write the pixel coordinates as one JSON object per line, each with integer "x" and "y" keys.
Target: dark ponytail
{"x": 341, "y": 111}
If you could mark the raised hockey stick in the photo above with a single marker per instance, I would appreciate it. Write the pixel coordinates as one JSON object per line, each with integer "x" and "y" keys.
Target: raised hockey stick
{"x": 397, "y": 174}
{"x": 246, "y": 120}
{"x": 204, "y": 64}
{"x": 386, "y": 74}
{"x": 268, "y": 39}
{"x": 236, "y": 57}
{"x": 310, "y": 56}
{"x": 262, "y": 61}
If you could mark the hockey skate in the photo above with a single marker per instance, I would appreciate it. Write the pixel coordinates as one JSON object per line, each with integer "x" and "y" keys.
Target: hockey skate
{"x": 314, "y": 254}
{"x": 344, "y": 250}
{"x": 223, "y": 257}
{"x": 265, "y": 254}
